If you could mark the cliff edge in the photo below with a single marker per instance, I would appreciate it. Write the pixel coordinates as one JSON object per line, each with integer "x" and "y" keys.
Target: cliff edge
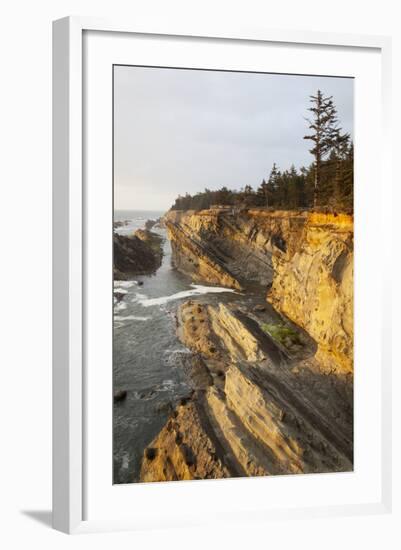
{"x": 270, "y": 370}
{"x": 301, "y": 261}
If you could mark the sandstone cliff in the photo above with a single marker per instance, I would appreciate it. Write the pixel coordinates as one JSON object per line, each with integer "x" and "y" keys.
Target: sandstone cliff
{"x": 306, "y": 258}
{"x": 270, "y": 370}
{"x": 255, "y": 408}
{"x": 313, "y": 286}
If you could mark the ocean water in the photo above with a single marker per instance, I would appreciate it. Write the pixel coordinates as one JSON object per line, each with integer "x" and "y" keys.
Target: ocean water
{"x": 147, "y": 355}
{"x": 135, "y": 219}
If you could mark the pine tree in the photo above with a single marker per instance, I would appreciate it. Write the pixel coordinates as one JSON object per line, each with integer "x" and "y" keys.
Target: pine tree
{"x": 348, "y": 180}
{"x": 273, "y": 184}
{"x": 324, "y": 126}
{"x": 293, "y": 192}
{"x": 272, "y": 181}
{"x": 249, "y": 196}
{"x": 341, "y": 148}
{"x": 263, "y": 194}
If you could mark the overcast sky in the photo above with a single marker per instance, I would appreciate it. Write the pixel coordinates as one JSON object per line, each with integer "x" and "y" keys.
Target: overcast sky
{"x": 178, "y": 131}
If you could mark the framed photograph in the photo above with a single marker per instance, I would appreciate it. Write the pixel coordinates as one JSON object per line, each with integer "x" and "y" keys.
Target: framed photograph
{"x": 220, "y": 323}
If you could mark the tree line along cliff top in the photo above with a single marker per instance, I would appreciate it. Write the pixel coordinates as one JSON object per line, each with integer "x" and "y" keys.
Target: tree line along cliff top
{"x": 325, "y": 185}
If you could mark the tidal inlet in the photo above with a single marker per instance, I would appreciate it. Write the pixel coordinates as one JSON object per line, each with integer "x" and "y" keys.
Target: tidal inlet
{"x": 233, "y": 275}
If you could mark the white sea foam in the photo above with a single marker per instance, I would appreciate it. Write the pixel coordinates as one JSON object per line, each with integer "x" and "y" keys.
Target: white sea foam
{"x": 139, "y": 297}
{"x": 121, "y": 290}
{"x": 125, "y": 461}
{"x": 120, "y": 306}
{"x": 196, "y": 291}
{"x": 124, "y": 284}
{"x": 131, "y": 318}
{"x": 167, "y": 385}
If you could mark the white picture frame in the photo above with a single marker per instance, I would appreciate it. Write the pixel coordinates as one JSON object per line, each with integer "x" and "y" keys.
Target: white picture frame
{"x": 70, "y": 426}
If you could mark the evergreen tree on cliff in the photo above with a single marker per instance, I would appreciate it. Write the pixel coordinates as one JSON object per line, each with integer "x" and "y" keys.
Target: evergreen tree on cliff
{"x": 249, "y": 196}
{"x": 324, "y": 131}
{"x": 341, "y": 148}
{"x": 273, "y": 178}
{"x": 263, "y": 194}
{"x": 273, "y": 184}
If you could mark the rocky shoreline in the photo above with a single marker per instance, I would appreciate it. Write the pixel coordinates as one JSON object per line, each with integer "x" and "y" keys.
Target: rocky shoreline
{"x": 270, "y": 372}
{"x": 137, "y": 254}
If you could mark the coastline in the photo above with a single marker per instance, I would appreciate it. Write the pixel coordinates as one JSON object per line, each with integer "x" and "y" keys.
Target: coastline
{"x": 249, "y": 361}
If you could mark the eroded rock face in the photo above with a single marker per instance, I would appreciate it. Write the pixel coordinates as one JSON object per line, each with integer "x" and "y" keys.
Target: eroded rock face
{"x": 313, "y": 286}
{"x": 296, "y": 434}
{"x": 271, "y": 392}
{"x": 138, "y": 254}
{"x": 251, "y": 412}
{"x": 306, "y": 259}
{"x": 184, "y": 449}
{"x": 204, "y": 327}
{"x": 197, "y": 259}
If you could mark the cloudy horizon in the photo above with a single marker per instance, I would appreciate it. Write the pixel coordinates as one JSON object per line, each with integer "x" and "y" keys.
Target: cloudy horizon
{"x": 181, "y": 130}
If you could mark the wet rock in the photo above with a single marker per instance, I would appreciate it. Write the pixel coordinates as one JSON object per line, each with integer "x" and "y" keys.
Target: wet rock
{"x": 119, "y": 296}
{"x": 135, "y": 256}
{"x": 149, "y": 224}
{"x": 118, "y": 224}
{"x": 146, "y": 394}
{"x": 120, "y": 396}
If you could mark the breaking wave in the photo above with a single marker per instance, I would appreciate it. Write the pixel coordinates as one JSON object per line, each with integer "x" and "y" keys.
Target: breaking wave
{"x": 195, "y": 291}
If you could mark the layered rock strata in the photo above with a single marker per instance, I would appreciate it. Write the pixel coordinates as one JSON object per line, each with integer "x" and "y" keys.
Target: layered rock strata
{"x": 256, "y": 407}
{"x": 272, "y": 387}
{"x": 303, "y": 261}
{"x": 313, "y": 286}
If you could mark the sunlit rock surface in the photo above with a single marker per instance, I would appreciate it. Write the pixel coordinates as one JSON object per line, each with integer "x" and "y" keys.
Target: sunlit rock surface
{"x": 307, "y": 258}
{"x": 272, "y": 385}
{"x": 313, "y": 286}
{"x": 255, "y": 409}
